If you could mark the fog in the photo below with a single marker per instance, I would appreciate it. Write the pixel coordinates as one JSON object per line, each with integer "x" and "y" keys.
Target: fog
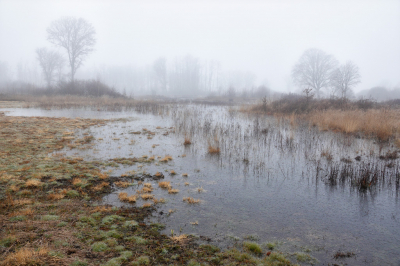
{"x": 243, "y": 44}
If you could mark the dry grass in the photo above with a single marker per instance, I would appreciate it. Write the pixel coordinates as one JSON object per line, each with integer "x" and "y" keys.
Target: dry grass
{"x": 147, "y": 196}
{"x": 147, "y": 189}
{"x": 185, "y": 175}
{"x": 164, "y": 184}
{"x": 213, "y": 150}
{"x": 124, "y": 197}
{"x": 25, "y": 256}
{"x": 122, "y": 184}
{"x": 54, "y": 196}
{"x": 191, "y": 200}
{"x": 180, "y": 238}
{"x": 381, "y": 124}
{"x": 172, "y": 172}
{"x": 166, "y": 159}
{"x": 147, "y": 185}
{"x": 187, "y": 141}
{"x": 147, "y": 205}
{"x": 156, "y": 201}
{"x": 158, "y": 174}
{"x": 33, "y": 183}
{"x": 100, "y": 186}
{"x": 173, "y": 191}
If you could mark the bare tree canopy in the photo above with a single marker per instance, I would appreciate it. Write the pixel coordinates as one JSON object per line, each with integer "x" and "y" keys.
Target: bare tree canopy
{"x": 160, "y": 71}
{"x": 313, "y": 70}
{"x": 345, "y": 77}
{"x": 50, "y": 62}
{"x": 76, "y": 35}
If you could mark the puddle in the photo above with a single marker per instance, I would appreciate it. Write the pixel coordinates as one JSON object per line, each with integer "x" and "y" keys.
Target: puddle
{"x": 269, "y": 183}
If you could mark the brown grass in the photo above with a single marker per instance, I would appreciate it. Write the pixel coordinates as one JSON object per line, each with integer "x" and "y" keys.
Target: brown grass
{"x": 146, "y": 205}
{"x": 173, "y": 191}
{"x": 100, "y": 186}
{"x": 191, "y": 200}
{"x": 185, "y": 175}
{"x": 147, "y": 196}
{"x": 172, "y": 172}
{"x": 213, "y": 150}
{"x": 187, "y": 141}
{"x": 33, "y": 183}
{"x": 124, "y": 197}
{"x": 164, "y": 184}
{"x": 166, "y": 158}
{"x": 54, "y": 196}
{"x": 122, "y": 184}
{"x": 381, "y": 124}
{"x": 25, "y": 256}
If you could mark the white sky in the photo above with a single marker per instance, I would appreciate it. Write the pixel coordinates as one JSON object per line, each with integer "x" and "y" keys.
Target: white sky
{"x": 265, "y": 37}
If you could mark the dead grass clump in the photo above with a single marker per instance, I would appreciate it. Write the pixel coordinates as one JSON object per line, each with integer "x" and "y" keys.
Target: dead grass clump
{"x": 213, "y": 150}
{"x": 32, "y": 183}
{"x": 156, "y": 201}
{"x": 172, "y": 172}
{"x": 185, "y": 175}
{"x": 147, "y": 189}
{"x": 100, "y": 186}
{"x": 180, "y": 238}
{"x": 187, "y": 141}
{"x": 191, "y": 200}
{"x": 165, "y": 184}
{"x": 147, "y": 185}
{"x": 122, "y": 184}
{"x": 158, "y": 174}
{"x": 173, "y": 191}
{"x": 25, "y": 256}
{"x": 54, "y": 196}
{"x": 147, "y": 205}
{"x": 124, "y": 197}
{"x": 147, "y": 196}
{"x": 166, "y": 159}
{"x": 102, "y": 175}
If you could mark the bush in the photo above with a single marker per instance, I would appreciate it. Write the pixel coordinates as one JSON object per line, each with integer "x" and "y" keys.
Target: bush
{"x": 87, "y": 88}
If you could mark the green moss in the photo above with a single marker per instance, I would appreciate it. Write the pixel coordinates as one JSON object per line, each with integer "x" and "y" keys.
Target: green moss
{"x": 8, "y": 241}
{"x": 271, "y": 246}
{"x": 193, "y": 262}
{"x": 111, "y": 242}
{"x": 303, "y": 257}
{"x": 114, "y": 233}
{"x": 276, "y": 258}
{"x": 253, "y": 247}
{"x": 56, "y": 254}
{"x": 119, "y": 248}
{"x": 79, "y": 263}
{"x": 18, "y": 218}
{"x": 126, "y": 254}
{"x": 110, "y": 219}
{"x": 50, "y": 217}
{"x": 99, "y": 246}
{"x": 142, "y": 260}
{"x": 210, "y": 248}
{"x": 131, "y": 223}
{"x": 89, "y": 220}
{"x": 72, "y": 194}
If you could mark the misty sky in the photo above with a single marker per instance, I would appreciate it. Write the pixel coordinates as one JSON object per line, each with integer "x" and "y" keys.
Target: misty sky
{"x": 265, "y": 37}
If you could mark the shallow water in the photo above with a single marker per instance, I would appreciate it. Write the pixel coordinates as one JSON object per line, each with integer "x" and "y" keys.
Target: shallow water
{"x": 268, "y": 183}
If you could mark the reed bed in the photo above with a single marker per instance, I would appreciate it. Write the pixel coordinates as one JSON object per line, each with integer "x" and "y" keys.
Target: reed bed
{"x": 381, "y": 124}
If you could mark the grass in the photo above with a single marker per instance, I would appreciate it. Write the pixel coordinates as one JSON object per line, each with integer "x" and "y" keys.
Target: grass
{"x": 123, "y": 196}
{"x": 213, "y": 150}
{"x": 164, "y": 184}
{"x": 253, "y": 247}
{"x": 191, "y": 200}
{"x": 187, "y": 141}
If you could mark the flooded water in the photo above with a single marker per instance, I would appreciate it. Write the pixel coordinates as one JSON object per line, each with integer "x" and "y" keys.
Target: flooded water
{"x": 272, "y": 182}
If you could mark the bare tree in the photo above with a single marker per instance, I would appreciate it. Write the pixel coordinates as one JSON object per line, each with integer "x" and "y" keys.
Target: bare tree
{"x": 51, "y": 62}
{"x": 160, "y": 71}
{"x": 344, "y": 78}
{"x": 76, "y": 36}
{"x": 313, "y": 70}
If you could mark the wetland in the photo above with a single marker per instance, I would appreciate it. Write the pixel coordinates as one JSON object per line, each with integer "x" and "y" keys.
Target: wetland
{"x": 212, "y": 177}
